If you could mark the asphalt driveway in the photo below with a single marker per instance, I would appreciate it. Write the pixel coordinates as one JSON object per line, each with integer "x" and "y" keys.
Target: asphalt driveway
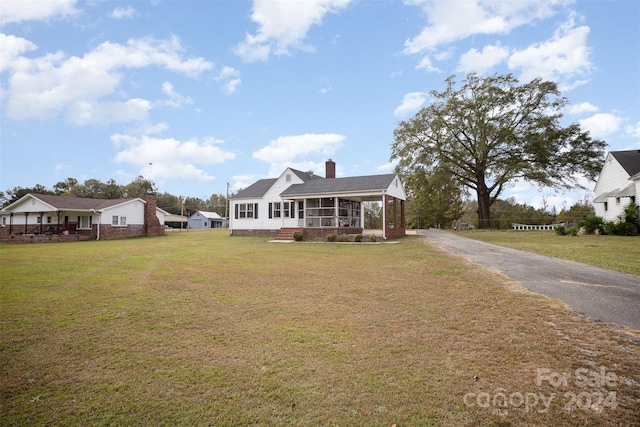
{"x": 600, "y": 295}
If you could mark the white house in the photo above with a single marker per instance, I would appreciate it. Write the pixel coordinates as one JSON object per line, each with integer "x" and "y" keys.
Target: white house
{"x": 618, "y": 184}
{"x": 315, "y": 205}
{"x": 204, "y": 219}
{"x": 43, "y": 217}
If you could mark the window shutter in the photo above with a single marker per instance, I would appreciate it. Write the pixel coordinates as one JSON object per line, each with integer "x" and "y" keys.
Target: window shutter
{"x": 236, "y": 217}
{"x": 270, "y": 210}
{"x": 292, "y": 209}
{"x": 255, "y": 211}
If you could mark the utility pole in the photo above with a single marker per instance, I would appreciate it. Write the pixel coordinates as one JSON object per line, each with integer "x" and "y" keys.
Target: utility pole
{"x": 226, "y": 209}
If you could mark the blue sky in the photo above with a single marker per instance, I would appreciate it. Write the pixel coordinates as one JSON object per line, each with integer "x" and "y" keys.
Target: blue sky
{"x": 198, "y": 94}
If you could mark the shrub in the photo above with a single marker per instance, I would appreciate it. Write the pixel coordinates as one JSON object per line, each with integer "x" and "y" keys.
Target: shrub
{"x": 593, "y": 223}
{"x": 573, "y": 231}
{"x": 358, "y": 238}
{"x": 609, "y": 228}
{"x": 343, "y": 238}
{"x": 298, "y": 236}
{"x": 625, "y": 229}
{"x": 372, "y": 238}
{"x": 331, "y": 237}
{"x": 561, "y": 230}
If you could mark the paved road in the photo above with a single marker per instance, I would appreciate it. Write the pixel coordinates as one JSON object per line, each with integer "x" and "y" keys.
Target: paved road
{"x": 600, "y": 295}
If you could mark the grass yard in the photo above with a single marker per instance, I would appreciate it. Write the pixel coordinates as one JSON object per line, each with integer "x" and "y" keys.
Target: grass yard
{"x": 618, "y": 253}
{"x": 199, "y": 328}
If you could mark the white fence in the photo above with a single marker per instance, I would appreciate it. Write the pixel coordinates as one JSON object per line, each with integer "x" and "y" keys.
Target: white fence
{"x": 527, "y": 227}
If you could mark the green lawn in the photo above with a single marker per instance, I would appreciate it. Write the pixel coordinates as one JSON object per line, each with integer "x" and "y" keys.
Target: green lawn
{"x": 199, "y": 328}
{"x": 619, "y": 253}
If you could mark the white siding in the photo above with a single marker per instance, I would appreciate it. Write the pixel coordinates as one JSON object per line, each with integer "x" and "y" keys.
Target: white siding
{"x": 612, "y": 177}
{"x": 396, "y": 189}
{"x": 134, "y": 211}
{"x": 272, "y": 195}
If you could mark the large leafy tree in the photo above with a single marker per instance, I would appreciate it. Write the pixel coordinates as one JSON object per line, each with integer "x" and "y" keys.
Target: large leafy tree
{"x": 491, "y": 131}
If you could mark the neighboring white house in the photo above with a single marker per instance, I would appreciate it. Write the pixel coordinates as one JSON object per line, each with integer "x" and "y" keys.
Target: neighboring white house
{"x": 317, "y": 206}
{"x": 618, "y": 184}
{"x": 43, "y": 217}
{"x": 203, "y": 219}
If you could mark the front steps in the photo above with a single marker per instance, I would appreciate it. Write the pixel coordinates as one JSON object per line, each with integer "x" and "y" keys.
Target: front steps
{"x": 286, "y": 234}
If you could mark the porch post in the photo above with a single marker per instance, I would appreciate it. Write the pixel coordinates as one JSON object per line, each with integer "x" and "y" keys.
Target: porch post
{"x": 11, "y": 223}
{"x": 384, "y": 216}
{"x": 26, "y": 224}
{"x": 336, "y": 211}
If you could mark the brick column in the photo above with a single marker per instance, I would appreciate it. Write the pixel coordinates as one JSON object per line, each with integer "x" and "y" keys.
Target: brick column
{"x": 152, "y": 226}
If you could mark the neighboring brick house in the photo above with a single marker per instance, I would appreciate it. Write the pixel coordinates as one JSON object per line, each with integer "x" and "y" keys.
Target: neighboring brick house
{"x": 315, "y": 205}
{"x": 618, "y": 184}
{"x": 45, "y": 218}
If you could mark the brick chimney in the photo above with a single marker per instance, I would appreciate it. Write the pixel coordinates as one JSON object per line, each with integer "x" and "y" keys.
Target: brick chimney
{"x": 152, "y": 226}
{"x": 330, "y": 166}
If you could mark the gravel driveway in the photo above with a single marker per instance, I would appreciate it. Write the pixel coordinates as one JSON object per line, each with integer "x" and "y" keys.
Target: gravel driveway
{"x": 600, "y": 295}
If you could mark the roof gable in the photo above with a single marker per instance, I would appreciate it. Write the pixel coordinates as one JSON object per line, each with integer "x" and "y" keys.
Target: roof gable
{"x": 629, "y": 160}
{"x": 208, "y": 215}
{"x": 256, "y": 190}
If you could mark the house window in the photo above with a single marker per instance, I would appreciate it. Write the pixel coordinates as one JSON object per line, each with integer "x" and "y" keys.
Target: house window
{"x": 277, "y": 210}
{"x": 48, "y": 220}
{"x": 246, "y": 211}
{"x": 118, "y": 221}
{"x": 4, "y": 221}
{"x": 617, "y": 200}
{"x": 85, "y": 222}
{"x": 288, "y": 177}
{"x": 606, "y": 206}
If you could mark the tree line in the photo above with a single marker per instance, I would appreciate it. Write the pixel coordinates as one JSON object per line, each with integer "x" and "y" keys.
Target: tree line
{"x": 96, "y": 189}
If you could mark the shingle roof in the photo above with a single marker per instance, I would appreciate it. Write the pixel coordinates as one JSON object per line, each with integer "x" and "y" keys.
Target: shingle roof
{"x": 629, "y": 160}
{"x": 257, "y": 189}
{"x": 305, "y": 176}
{"x": 210, "y": 215}
{"x": 339, "y": 185}
{"x": 79, "y": 203}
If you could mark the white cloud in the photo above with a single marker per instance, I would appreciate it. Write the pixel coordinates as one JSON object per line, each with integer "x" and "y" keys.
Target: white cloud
{"x": 287, "y": 148}
{"x": 83, "y": 113}
{"x": 240, "y": 182}
{"x": 481, "y": 62}
{"x": 175, "y": 100}
{"x": 601, "y": 124}
{"x": 582, "y": 108}
{"x": 12, "y": 48}
{"x": 230, "y": 78}
{"x": 54, "y": 84}
{"x": 123, "y": 12}
{"x": 171, "y": 158}
{"x": 633, "y": 130}
{"x": 449, "y": 21}
{"x": 283, "y": 25}
{"x": 285, "y": 151}
{"x": 18, "y": 11}
{"x": 411, "y": 102}
{"x": 561, "y": 58}
{"x": 426, "y": 64}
